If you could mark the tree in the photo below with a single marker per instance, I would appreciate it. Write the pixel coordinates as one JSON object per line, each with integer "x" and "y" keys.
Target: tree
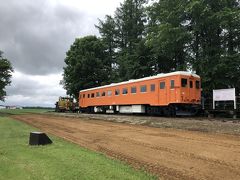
{"x": 142, "y": 63}
{"x": 198, "y": 35}
{"x": 130, "y": 19}
{"x": 167, "y": 35}
{"x": 108, "y": 32}
{"x": 5, "y": 75}
{"x": 215, "y": 30}
{"x": 87, "y": 65}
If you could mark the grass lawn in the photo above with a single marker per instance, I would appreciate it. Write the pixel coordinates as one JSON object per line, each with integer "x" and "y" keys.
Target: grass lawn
{"x": 61, "y": 160}
{"x": 6, "y": 112}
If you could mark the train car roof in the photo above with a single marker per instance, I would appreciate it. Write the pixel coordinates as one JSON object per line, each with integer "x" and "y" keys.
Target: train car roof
{"x": 185, "y": 73}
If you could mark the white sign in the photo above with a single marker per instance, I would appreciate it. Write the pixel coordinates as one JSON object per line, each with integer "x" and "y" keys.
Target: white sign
{"x": 224, "y": 95}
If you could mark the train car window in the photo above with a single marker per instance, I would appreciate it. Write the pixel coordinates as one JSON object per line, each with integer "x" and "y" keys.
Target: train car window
{"x": 92, "y": 95}
{"x": 133, "y": 89}
{"x": 191, "y": 84}
{"x": 152, "y": 87}
{"x": 103, "y": 93}
{"x": 162, "y": 85}
{"x": 172, "y": 84}
{"x": 184, "y": 82}
{"x": 109, "y": 93}
{"x": 197, "y": 84}
{"x": 117, "y": 92}
{"x": 143, "y": 88}
{"x": 124, "y": 91}
{"x": 83, "y": 95}
{"x": 88, "y": 95}
{"x": 97, "y": 94}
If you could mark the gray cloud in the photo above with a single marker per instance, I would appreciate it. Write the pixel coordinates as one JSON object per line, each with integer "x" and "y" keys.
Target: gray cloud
{"x": 36, "y": 34}
{"x": 34, "y": 90}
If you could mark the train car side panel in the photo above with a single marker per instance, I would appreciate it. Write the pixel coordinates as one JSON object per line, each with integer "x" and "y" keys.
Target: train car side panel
{"x": 163, "y": 90}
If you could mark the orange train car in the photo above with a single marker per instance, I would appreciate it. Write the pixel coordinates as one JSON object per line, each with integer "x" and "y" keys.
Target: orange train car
{"x": 176, "y": 93}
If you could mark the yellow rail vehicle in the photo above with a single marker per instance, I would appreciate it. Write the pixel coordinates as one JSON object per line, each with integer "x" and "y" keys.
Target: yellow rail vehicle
{"x": 66, "y": 104}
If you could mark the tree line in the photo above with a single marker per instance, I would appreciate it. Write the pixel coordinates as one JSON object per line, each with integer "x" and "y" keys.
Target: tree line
{"x": 145, "y": 38}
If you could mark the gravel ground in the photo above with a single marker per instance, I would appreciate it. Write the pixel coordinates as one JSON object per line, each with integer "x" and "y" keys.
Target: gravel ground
{"x": 202, "y": 124}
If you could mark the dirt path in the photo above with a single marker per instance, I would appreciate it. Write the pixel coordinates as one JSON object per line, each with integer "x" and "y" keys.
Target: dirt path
{"x": 169, "y": 153}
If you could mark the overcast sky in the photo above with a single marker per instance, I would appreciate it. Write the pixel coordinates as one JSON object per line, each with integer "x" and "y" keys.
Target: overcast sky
{"x": 35, "y": 35}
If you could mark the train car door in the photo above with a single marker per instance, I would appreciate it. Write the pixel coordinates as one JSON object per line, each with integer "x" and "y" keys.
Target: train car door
{"x": 184, "y": 89}
{"x": 172, "y": 95}
{"x": 191, "y": 89}
{"x": 80, "y": 100}
{"x": 162, "y": 95}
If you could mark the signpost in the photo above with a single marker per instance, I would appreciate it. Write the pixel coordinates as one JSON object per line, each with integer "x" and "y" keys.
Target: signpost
{"x": 224, "y": 95}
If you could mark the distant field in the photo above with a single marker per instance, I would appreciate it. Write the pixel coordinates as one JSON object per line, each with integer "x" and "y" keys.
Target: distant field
{"x": 61, "y": 160}
{"x": 22, "y": 111}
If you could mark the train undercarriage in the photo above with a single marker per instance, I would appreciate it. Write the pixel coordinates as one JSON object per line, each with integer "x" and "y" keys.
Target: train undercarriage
{"x": 171, "y": 110}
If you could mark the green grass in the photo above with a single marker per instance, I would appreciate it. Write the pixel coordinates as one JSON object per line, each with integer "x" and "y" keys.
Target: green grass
{"x": 6, "y": 112}
{"x": 61, "y": 160}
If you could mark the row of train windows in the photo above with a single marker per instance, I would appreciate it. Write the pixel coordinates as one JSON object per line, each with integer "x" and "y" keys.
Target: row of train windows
{"x": 143, "y": 89}
{"x": 124, "y": 91}
{"x": 184, "y": 83}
